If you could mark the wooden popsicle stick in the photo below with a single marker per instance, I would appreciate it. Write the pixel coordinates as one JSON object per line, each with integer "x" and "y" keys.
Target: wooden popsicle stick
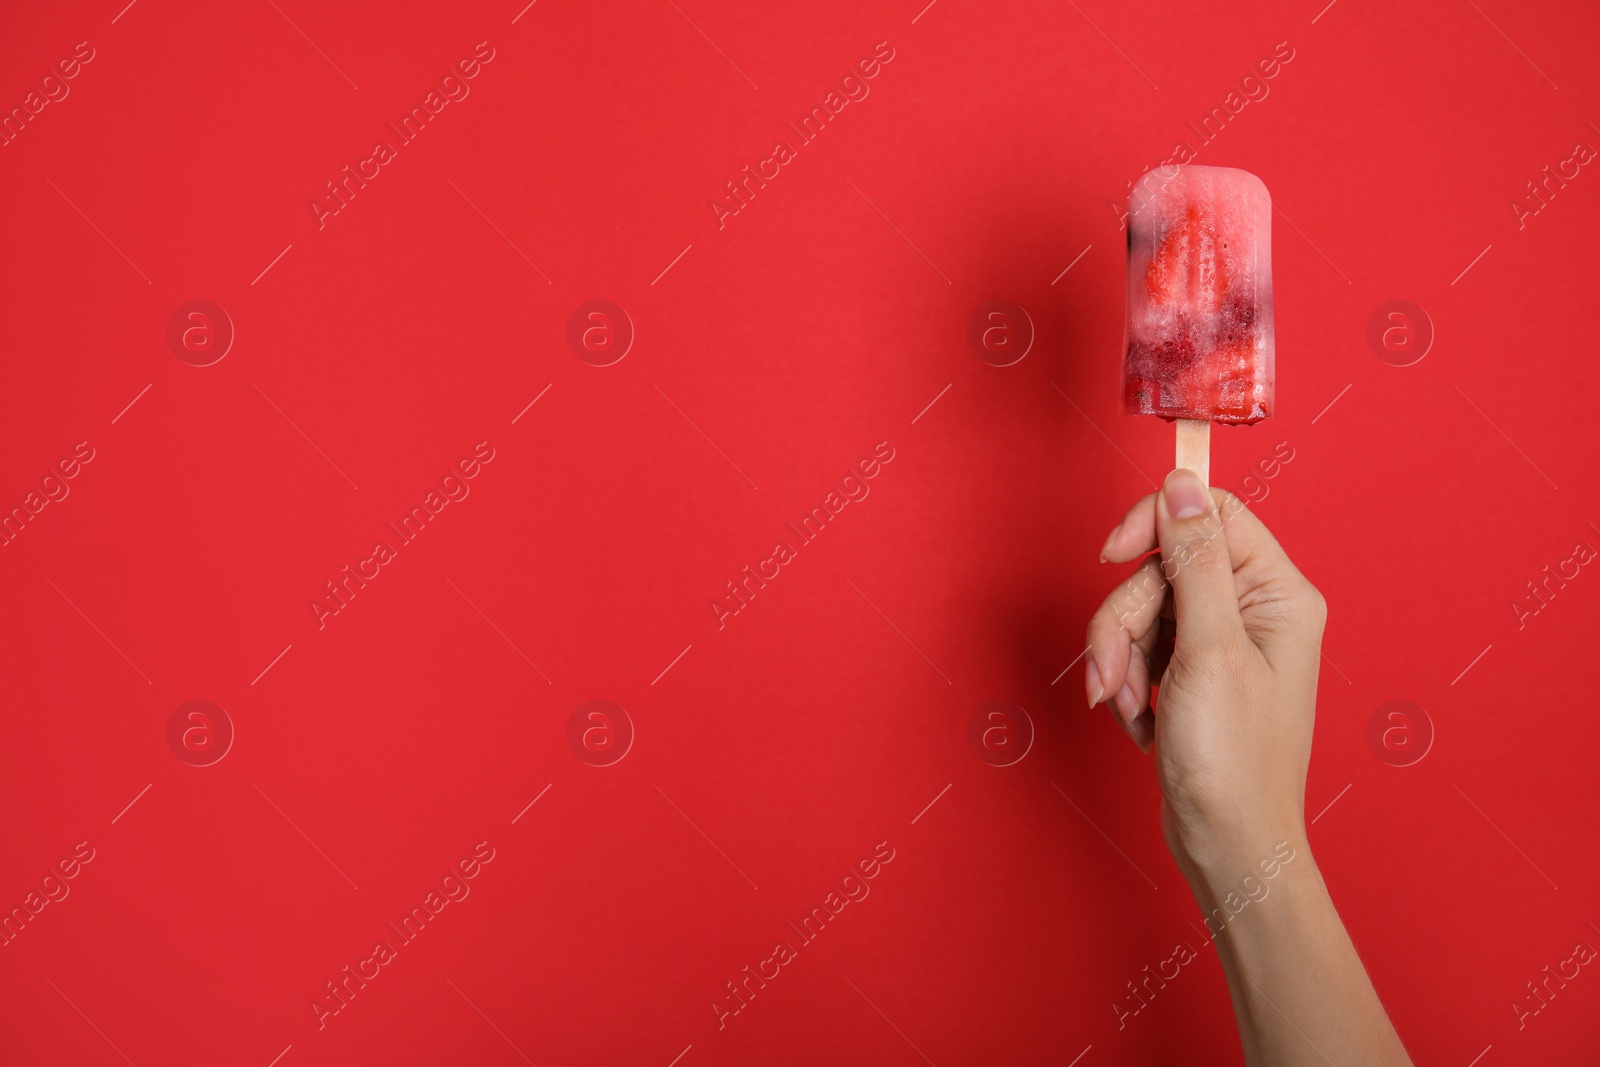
{"x": 1194, "y": 447}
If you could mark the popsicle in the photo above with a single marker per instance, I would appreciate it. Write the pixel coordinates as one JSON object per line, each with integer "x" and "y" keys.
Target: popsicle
{"x": 1198, "y": 343}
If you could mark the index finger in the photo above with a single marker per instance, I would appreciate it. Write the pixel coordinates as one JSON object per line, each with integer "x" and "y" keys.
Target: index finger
{"x": 1248, "y": 538}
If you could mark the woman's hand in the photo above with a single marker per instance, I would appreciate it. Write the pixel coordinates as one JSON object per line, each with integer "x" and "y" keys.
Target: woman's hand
{"x": 1234, "y": 633}
{"x": 1231, "y": 632}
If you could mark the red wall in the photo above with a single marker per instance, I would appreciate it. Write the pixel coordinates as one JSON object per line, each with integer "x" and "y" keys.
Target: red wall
{"x": 766, "y": 354}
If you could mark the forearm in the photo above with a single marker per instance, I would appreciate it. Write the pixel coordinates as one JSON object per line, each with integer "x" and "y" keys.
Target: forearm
{"x": 1300, "y": 993}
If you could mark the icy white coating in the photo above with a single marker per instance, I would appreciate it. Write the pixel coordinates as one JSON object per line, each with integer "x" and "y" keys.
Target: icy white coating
{"x": 1199, "y": 338}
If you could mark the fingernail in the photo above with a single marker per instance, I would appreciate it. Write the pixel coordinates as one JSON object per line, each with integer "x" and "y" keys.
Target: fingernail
{"x": 1110, "y": 538}
{"x": 1184, "y": 495}
{"x": 1127, "y": 705}
{"x": 1143, "y": 731}
{"x": 1122, "y": 722}
{"x": 1097, "y": 691}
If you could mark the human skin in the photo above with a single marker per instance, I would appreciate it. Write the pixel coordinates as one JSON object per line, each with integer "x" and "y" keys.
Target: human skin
{"x": 1231, "y": 737}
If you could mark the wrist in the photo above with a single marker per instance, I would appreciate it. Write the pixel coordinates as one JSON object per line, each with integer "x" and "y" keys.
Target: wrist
{"x": 1228, "y": 870}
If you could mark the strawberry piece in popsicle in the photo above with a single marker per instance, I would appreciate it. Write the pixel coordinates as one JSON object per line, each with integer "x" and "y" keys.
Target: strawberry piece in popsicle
{"x": 1199, "y": 341}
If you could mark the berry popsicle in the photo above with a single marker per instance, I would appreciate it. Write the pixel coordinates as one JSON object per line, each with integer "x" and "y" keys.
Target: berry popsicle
{"x": 1198, "y": 345}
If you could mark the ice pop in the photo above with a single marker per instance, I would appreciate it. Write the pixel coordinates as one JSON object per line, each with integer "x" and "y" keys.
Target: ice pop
{"x": 1198, "y": 344}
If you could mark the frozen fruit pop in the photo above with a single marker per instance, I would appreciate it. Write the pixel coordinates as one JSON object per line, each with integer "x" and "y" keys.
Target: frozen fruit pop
{"x": 1199, "y": 344}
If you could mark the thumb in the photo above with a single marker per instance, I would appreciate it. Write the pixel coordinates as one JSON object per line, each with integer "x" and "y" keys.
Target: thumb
{"x": 1194, "y": 558}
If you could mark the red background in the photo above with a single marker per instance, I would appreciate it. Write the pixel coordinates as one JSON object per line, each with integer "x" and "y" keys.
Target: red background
{"x": 822, "y": 319}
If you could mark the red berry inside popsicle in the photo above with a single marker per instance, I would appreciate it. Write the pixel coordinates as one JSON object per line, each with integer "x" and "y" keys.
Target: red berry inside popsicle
{"x": 1185, "y": 269}
{"x": 1199, "y": 327}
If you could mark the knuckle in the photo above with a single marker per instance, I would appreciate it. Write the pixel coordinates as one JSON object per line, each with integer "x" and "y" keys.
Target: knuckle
{"x": 1312, "y": 604}
{"x": 1134, "y": 600}
{"x": 1201, "y": 545}
{"x": 1101, "y": 626}
{"x": 1144, "y": 586}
